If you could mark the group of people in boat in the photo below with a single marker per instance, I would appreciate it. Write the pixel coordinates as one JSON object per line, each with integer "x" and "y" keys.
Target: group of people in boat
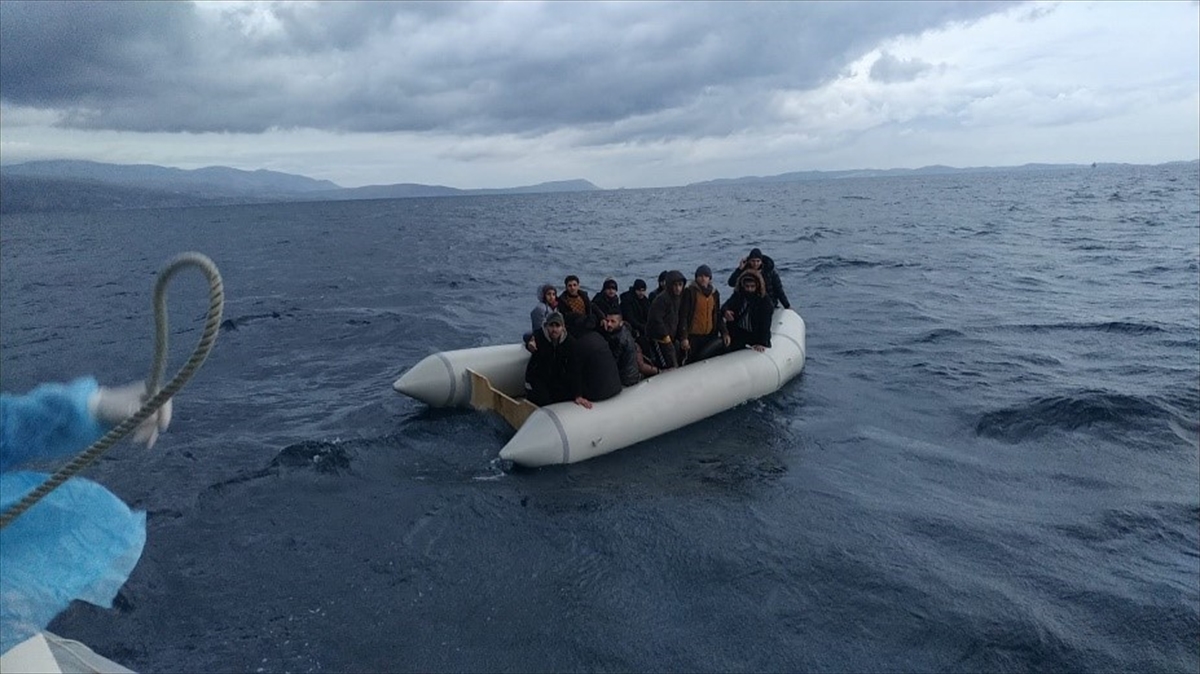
{"x": 587, "y": 349}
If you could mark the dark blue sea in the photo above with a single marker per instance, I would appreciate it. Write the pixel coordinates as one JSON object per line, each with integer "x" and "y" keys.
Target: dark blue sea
{"x": 991, "y": 462}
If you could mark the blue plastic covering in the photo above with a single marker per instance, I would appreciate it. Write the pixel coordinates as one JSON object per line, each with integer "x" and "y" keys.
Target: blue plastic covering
{"x": 80, "y": 541}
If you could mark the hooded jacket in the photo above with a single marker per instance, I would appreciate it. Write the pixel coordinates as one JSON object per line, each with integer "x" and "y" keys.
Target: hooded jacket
{"x": 541, "y": 310}
{"x": 548, "y": 374}
{"x": 664, "y": 319}
{"x": 770, "y": 278}
{"x": 752, "y": 313}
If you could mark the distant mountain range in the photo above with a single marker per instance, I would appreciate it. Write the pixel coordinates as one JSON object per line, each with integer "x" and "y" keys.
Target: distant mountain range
{"x": 797, "y": 176}
{"x": 68, "y": 185}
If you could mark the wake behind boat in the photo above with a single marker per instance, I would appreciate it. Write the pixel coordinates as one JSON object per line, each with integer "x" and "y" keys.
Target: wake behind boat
{"x": 492, "y": 378}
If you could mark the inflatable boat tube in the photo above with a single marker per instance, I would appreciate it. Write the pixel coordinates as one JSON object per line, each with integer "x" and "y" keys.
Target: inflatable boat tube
{"x": 568, "y": 433}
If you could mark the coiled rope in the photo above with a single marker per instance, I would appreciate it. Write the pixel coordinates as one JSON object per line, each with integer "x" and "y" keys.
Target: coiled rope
{"x": 212, "y": 324}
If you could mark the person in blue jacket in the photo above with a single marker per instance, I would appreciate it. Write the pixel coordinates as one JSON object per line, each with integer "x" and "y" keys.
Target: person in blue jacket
{"x": 80, "y": 541}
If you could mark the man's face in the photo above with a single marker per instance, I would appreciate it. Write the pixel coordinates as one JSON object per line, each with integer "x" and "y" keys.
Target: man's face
{"x": 755, "y": 262}
{"x": 555, "y": 331}
{"x": 612, "y": 322}
{"x": 702, "y": 281}
{"x": 641, "y": 293}
{"x": 573, "y": 288}
{"x": 610, "y": 291}
{"x": 677, "y": 288}
{"x": 750, "y": 286}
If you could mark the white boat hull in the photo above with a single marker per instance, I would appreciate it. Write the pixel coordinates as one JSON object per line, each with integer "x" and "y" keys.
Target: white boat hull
{"x": 568, "y": 433}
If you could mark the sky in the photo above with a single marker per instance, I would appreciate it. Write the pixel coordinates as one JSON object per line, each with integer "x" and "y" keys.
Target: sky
{"x": 624, "y": 94}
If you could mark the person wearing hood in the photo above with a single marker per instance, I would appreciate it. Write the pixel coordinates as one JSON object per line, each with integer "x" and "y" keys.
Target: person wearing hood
{"x": 662, "y": 284}
{"x": 548, "y": 372}
{"x": 664, "y": 330}
{"x": 765, "y": 266}
{"x": 704, "y": 334}
{"x": 547, "y": 304}
{"x": 635, "y": 308}
{"x": 607, "y": 301}
{"x": 748, "y": 313}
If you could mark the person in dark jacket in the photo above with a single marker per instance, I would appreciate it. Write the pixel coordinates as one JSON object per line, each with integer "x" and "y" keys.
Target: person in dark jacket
{"x": 607, "y": 301}
{"x": 548, "y": 372}
{"x": 704, "y": 334}
{"x": 662, "y": 284}
{"x": 765, "y": 266}
{"x": 573, "y": 300}
{"x": 635, "y": 308}
{"x": 591, "y": 368}
{"x": 631, "y": 365}
{"x": 663, "y": 327}
{"x": 748, "y": 313}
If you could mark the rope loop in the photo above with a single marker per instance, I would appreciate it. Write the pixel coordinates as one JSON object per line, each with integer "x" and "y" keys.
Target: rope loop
{"x": 158, "y": 397}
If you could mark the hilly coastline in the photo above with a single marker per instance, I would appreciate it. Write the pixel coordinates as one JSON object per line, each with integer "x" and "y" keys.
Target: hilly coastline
{"x": 69, "y": 185}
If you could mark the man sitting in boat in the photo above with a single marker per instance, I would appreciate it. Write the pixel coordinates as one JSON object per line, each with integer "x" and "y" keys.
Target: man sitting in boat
{"x": 703, "y": 325}
{"x": 631, "y": 365}
{"x": 574, "y": 300}
{"x": 590, "y": 363}
{"x": 608, "y": 300}
{"x": 664, "y": 330}
{"x": 547, "y": 375}
{"x": 547, "y": 303}
{"x": 635, "y": 308}
{"x": 748, "y": 313}
{"x": 765, "y": 266}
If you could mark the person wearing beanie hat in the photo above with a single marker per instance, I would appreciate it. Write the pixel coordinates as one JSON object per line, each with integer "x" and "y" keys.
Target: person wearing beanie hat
{"x": 607, "y": 301}
{"x": 635, "y": 309}
{"x": 664, "y": 329}
{"x": 704, "y": 334}
{"x": 765, "y": 266}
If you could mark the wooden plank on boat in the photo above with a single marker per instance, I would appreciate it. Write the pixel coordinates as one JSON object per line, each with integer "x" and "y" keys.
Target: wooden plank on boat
{"x": 485, "y": 397}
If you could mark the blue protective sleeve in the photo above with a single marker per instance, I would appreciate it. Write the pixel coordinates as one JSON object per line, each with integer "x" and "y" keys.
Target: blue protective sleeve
{"x": 51, "y": 421}
{"x": 79, "y": 542}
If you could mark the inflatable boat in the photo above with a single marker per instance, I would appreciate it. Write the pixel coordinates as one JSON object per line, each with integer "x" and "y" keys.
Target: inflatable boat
{"x": 493, "y": 378}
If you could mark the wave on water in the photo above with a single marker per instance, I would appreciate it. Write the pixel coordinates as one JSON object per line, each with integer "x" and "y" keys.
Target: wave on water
{"x": 1126, "y": 327}
{"x": 1085, "y": 409}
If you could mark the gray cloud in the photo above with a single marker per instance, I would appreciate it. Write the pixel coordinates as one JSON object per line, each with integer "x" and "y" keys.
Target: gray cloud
{"x": 620, "y": 71}
{"x": 888, "y": 69}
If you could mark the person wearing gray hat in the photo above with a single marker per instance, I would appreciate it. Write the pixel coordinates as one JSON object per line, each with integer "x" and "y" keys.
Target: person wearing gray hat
{"x": 703, "y": 324}
{"x": 548, "y": 372}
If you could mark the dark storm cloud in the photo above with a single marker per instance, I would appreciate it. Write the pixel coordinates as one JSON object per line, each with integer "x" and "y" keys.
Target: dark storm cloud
{"x": 519, "y": 68}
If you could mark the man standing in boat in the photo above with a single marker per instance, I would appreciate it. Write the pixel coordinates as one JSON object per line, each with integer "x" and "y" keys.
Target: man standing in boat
{"x": 703, "y": 325}
{"x": 765, "y": 266}
{"x": 663, "y": 328}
